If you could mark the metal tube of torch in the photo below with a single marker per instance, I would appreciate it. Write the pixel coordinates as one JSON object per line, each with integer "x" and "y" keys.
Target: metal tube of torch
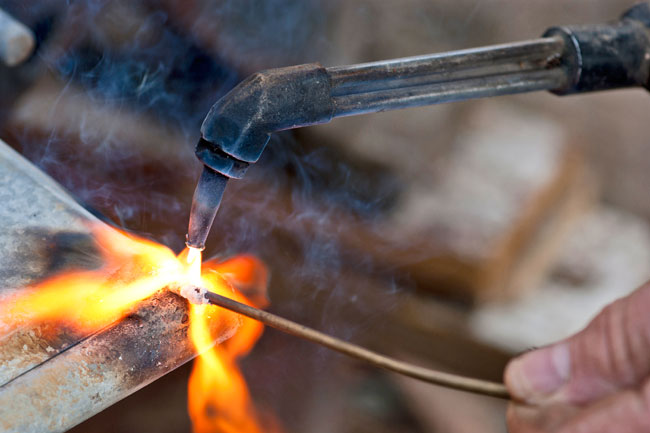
{"x": 455, "y": 76}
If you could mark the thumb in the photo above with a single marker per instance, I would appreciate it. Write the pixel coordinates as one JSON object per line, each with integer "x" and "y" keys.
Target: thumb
{"x": 612, "y": 352}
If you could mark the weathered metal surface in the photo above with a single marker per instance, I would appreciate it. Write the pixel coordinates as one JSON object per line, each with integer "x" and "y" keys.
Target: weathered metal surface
{"x": 52, "y": 378}
{"x": 35, "y": 211}
{"x": 99, "y": 371}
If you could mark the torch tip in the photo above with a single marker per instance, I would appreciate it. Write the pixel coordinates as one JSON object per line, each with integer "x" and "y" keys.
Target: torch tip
{"x": 193, "y": 249}
{"x": 193, "y": 254}
{"x": 205, "y": 204}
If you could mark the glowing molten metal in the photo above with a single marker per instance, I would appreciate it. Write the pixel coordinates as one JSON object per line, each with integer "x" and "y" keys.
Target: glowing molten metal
{"x": 134, "y": 269}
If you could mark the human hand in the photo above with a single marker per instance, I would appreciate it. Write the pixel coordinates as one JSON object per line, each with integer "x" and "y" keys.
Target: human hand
{"x": 597, "y": 381}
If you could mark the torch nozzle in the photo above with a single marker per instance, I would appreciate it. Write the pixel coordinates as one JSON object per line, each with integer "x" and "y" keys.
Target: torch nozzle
{"x": 205, "y": 203}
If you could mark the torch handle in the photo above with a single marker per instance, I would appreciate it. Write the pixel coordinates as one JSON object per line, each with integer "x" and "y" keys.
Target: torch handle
{"x": 606, "y": 56}
{"x": 448, "y": 77}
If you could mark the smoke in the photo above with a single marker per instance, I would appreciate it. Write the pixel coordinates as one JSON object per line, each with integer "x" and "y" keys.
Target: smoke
{"x": 119, "y": 95}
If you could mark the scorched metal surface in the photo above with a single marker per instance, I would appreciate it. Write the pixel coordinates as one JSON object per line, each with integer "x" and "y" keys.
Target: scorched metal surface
{"x": 52, "y": 379}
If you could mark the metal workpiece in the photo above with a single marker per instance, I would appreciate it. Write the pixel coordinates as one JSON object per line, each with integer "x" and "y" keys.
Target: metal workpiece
{"x": 100, "y": 370}
{"x": 35, "y": 212}
{"x": 25, "y": 347}
{"x": 52, "y": 378}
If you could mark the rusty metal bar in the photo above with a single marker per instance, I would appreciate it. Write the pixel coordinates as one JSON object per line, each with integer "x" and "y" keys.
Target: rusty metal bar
{"x": 35, "y": 211}
{"x": 100, "y": 370}
{"x": 51, "y": 379}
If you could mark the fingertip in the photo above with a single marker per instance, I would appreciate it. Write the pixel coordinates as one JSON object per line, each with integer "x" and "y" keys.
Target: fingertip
{"x": 535, "y": 376}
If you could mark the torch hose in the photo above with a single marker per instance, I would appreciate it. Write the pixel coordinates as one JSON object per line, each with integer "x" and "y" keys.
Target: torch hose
{"x": 435, "y": 377}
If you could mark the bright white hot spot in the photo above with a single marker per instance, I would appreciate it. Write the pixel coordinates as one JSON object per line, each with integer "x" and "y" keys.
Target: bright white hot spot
{"x": 194, "y": 291}
{"x": 194, "y": 294}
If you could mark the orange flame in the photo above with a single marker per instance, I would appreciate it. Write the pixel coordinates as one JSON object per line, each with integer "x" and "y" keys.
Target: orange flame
{"x": 135, "y": 269}
{"x": 218, "y": 396}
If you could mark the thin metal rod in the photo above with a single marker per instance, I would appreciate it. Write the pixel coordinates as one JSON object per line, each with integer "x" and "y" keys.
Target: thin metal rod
{"x": 448, "y": 380}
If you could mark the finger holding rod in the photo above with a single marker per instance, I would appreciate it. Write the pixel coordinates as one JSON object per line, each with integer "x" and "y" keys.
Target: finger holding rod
{"x": 17, "y": 41}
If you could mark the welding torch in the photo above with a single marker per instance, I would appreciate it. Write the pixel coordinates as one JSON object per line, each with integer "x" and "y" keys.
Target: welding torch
{"x": 566, "y": 60}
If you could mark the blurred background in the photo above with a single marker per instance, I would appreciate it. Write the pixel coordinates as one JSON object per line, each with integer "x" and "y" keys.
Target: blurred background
{"x": 453, "y": 236}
